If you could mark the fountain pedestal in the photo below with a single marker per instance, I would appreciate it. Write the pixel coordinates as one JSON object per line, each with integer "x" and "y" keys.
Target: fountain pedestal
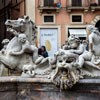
{"x": 16, "y": 88}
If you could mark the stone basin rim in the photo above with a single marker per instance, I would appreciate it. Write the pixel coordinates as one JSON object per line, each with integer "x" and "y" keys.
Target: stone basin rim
{"x": 18, "y": 79}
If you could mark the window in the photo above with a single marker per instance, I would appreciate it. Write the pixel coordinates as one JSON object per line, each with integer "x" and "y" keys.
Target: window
{"x": 48, "y": 3}
{"x": 77, "y": 3}
{"x": 48, "y": 19}
{"x": 77, "y": 18}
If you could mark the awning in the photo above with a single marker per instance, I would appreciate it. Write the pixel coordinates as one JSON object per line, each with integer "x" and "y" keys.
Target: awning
{"x": 78, "y": 32}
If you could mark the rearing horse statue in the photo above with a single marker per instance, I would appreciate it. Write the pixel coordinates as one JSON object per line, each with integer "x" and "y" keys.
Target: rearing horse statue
{"x": 21, "y": 50}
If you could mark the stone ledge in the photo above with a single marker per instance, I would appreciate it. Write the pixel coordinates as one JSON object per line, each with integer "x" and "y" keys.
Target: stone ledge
{"x": 19, "y": 79}
{"x": 43, "y": 80}
{"x": 90, "y": 81}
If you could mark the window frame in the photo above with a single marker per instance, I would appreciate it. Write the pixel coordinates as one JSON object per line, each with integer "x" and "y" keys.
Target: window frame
{"x": 70, "y": 2}
{"x": 41, "y": 3}
{"x": 71, "y": 15}
{"x": 76, "y": 3}
{"x": 49, "y": 3}
{"x": 48, "y": 15}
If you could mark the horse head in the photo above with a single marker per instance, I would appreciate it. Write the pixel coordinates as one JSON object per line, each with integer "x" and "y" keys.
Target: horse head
{"x": 23, "y": 25}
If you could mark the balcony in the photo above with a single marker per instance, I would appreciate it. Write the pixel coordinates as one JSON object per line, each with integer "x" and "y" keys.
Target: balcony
{"x": 73, "y": 5}
{"x": 95, "y": 6}
{"x": 49, "y": 6}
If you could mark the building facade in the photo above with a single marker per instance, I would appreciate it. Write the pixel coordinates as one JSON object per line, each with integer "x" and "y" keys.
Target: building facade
{"x": 9, "y": 9}
{"x": 30, "y": 9}
{"x": 57, "y": 19}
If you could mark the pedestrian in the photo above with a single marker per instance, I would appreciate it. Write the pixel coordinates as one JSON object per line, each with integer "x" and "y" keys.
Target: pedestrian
{"x": 44, "y": 52}
{"x": 39, "y": 51}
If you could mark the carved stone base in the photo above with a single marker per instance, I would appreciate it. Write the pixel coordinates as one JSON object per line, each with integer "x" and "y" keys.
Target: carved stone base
{"x": 16, "y": 88}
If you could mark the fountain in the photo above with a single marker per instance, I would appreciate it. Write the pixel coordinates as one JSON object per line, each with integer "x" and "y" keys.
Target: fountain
{"x": 73, "y": 72}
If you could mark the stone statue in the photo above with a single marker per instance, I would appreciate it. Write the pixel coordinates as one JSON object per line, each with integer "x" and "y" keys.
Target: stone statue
{"x": 69, "y": 64}
{"x": 76, "y": 61}
{"x": 94, "y": 46}
{"x": 66, "y": 73}
{"x": 19, "y": 51}
{"x": 28, "y": 71}
{"x": 25, "y": 47}
{"x": 5, "y": 43}
{"x": 23, "y": 25}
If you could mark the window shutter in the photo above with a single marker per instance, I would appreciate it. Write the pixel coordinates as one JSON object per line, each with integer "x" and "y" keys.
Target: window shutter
{"x": 76, "y": 2}
{"x": 51, "y": 2}
{"x": 48, "y": 3}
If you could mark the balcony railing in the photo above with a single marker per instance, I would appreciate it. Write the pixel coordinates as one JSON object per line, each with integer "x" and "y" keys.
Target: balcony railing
{"x": 84, "y": 5}
{"x": 49, "y": 5}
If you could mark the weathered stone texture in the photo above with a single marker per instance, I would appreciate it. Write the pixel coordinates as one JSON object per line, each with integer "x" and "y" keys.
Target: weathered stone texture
{"x": 17, "y": 90}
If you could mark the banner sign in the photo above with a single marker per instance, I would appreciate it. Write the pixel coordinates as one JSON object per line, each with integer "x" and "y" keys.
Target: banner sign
{"x": 48, "y": 38}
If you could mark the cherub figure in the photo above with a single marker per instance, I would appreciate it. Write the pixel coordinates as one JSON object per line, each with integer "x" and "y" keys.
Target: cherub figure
{"x": 28, "y": 71}
{"x": 94, "y": 49}
{"x": 25, "y": 47}
{"x": 5, "y": 43}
